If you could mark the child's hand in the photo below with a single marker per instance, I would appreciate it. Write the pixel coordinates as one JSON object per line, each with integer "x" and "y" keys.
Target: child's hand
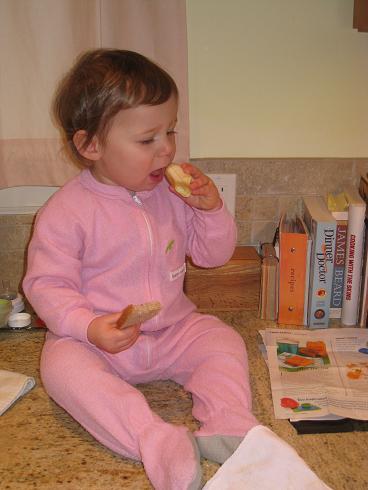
{"x": 104, "y": 334}
{"x": 205, "y": 194}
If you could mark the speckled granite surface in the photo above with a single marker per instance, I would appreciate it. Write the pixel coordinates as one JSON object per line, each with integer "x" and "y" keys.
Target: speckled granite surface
{"x": 42, "y": 447}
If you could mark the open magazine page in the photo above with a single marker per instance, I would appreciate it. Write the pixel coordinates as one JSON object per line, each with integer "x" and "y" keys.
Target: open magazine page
{"x": 318, "y": 373}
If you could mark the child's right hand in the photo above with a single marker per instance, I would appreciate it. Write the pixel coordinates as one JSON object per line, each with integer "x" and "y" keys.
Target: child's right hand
{"x": 104, "y": 334}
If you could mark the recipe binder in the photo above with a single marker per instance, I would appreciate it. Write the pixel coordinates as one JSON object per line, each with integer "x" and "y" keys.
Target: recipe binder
{"x": 294, "y": 269}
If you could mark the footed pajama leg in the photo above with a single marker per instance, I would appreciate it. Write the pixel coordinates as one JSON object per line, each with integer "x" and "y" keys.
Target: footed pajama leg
{"x": 214, "y": 368}
{"x": 79, "y": 378}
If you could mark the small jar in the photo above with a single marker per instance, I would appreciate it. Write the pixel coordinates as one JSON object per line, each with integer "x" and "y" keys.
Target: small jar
{"x": 5, "y": 311}
{"x": 19, "y": 321}
{"x": 6, "y": 292}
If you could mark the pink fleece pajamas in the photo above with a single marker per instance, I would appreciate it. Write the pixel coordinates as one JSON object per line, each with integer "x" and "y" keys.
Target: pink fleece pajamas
{"x": 95, "y": 249}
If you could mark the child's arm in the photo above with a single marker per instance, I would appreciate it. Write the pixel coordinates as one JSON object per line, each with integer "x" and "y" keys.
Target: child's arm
{"x": 53, "y": 281}
{"x": 211, "y": 228}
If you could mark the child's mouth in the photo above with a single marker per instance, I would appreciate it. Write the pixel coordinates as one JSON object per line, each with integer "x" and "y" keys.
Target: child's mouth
{"x": 157, "y": 175}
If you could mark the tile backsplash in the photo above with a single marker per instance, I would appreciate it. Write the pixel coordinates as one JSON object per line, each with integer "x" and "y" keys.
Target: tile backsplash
{"x": 265, "y": 188}
{"x": 15, "y": 232}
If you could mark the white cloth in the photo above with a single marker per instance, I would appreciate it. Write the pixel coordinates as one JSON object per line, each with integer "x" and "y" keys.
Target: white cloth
{"x": 263, "y": 461}
{"x": 13, "y": 386}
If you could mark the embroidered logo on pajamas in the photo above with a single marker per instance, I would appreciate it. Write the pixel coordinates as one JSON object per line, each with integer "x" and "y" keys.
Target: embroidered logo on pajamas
{"x": 178, "y": 273}
{"x": 169, "y": 246}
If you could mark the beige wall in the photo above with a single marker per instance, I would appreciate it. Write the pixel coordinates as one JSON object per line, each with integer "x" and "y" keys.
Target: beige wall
{"x": 285, "y": 78}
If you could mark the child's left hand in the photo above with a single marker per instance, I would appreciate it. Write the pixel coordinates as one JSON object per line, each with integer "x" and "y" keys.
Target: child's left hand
{"x": 205, "y": 194}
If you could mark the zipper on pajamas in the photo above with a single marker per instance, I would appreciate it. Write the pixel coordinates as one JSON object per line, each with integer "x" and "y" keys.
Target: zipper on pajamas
{"x": 136, "y": 199}
{"x": 148, "y": 225}
{"x": 149, "y": 352}
{"x": 150, "y": 236}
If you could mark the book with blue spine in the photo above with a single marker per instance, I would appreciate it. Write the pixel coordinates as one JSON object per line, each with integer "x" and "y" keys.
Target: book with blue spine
{"x": 322, "y": 228}
{"x": 338, "y": 206}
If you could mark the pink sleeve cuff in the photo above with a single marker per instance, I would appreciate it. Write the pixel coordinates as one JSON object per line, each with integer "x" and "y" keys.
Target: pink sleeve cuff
{"x": 76, "y": 324}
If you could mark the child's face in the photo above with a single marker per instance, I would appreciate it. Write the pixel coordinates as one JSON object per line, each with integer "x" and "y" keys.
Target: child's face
{"x": 139, "y": 145}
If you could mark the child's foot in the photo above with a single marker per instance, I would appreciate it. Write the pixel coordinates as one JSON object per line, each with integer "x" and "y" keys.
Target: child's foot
{"x": 170, "y": 457}
{"x": 218, "y": 448}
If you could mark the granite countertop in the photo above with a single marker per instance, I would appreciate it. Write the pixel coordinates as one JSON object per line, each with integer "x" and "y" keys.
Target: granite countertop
{"x": 42, "y": 447}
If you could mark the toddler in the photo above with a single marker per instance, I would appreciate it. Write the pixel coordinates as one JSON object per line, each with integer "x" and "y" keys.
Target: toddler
{"x": 118, "y": 234}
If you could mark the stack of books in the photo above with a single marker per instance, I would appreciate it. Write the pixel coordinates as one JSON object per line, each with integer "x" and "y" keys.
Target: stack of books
{"x": 322, "y": 263}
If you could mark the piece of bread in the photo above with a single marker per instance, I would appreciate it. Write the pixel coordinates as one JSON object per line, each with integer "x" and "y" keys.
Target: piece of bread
{"x": 133, "y": 314}
{"x": 178, "y": 179}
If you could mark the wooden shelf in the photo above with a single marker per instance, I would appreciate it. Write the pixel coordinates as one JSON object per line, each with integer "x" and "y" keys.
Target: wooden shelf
{"x": 234, "y": 286}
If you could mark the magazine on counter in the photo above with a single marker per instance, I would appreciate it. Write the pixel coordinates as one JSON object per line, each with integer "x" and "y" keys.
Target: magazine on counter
{"x": 318, "y": 374}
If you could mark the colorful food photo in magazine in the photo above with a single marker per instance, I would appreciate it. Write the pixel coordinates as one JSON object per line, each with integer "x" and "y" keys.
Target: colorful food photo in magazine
{"x": 296, "y": 406}
{"x": 295, "y": 357}
{"x": 357, "y": 370}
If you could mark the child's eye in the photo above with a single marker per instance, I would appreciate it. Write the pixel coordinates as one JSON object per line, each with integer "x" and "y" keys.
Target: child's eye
{"x": 147, "y": 141}
{"x": 151, "y": 140}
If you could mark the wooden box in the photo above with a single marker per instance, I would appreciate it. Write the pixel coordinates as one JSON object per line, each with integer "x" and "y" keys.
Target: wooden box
{"x": 234, "y": 286}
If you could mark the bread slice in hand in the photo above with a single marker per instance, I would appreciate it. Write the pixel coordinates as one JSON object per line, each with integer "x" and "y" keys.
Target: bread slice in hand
{"x": 178, "y": 179}
{"x": 135, "y": 314}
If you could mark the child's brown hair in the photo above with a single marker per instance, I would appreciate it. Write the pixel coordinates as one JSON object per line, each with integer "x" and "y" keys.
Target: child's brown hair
{"x": 101, "y": 83}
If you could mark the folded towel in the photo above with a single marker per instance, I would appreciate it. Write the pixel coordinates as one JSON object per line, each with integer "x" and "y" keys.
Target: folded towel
{"x": 12, "y": 387}
{"x": 264, "y": 461}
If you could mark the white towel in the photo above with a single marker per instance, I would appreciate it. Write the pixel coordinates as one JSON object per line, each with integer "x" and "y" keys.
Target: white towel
{"x": 13, "y": 386}
{"x": 263, "y": 461}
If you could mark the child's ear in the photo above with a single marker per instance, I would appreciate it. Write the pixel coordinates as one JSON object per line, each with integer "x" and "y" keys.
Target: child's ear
{"x": 92, "y": 150}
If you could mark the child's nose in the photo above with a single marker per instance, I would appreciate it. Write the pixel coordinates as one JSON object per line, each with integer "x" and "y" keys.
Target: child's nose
{"x": 168, "y": 145}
